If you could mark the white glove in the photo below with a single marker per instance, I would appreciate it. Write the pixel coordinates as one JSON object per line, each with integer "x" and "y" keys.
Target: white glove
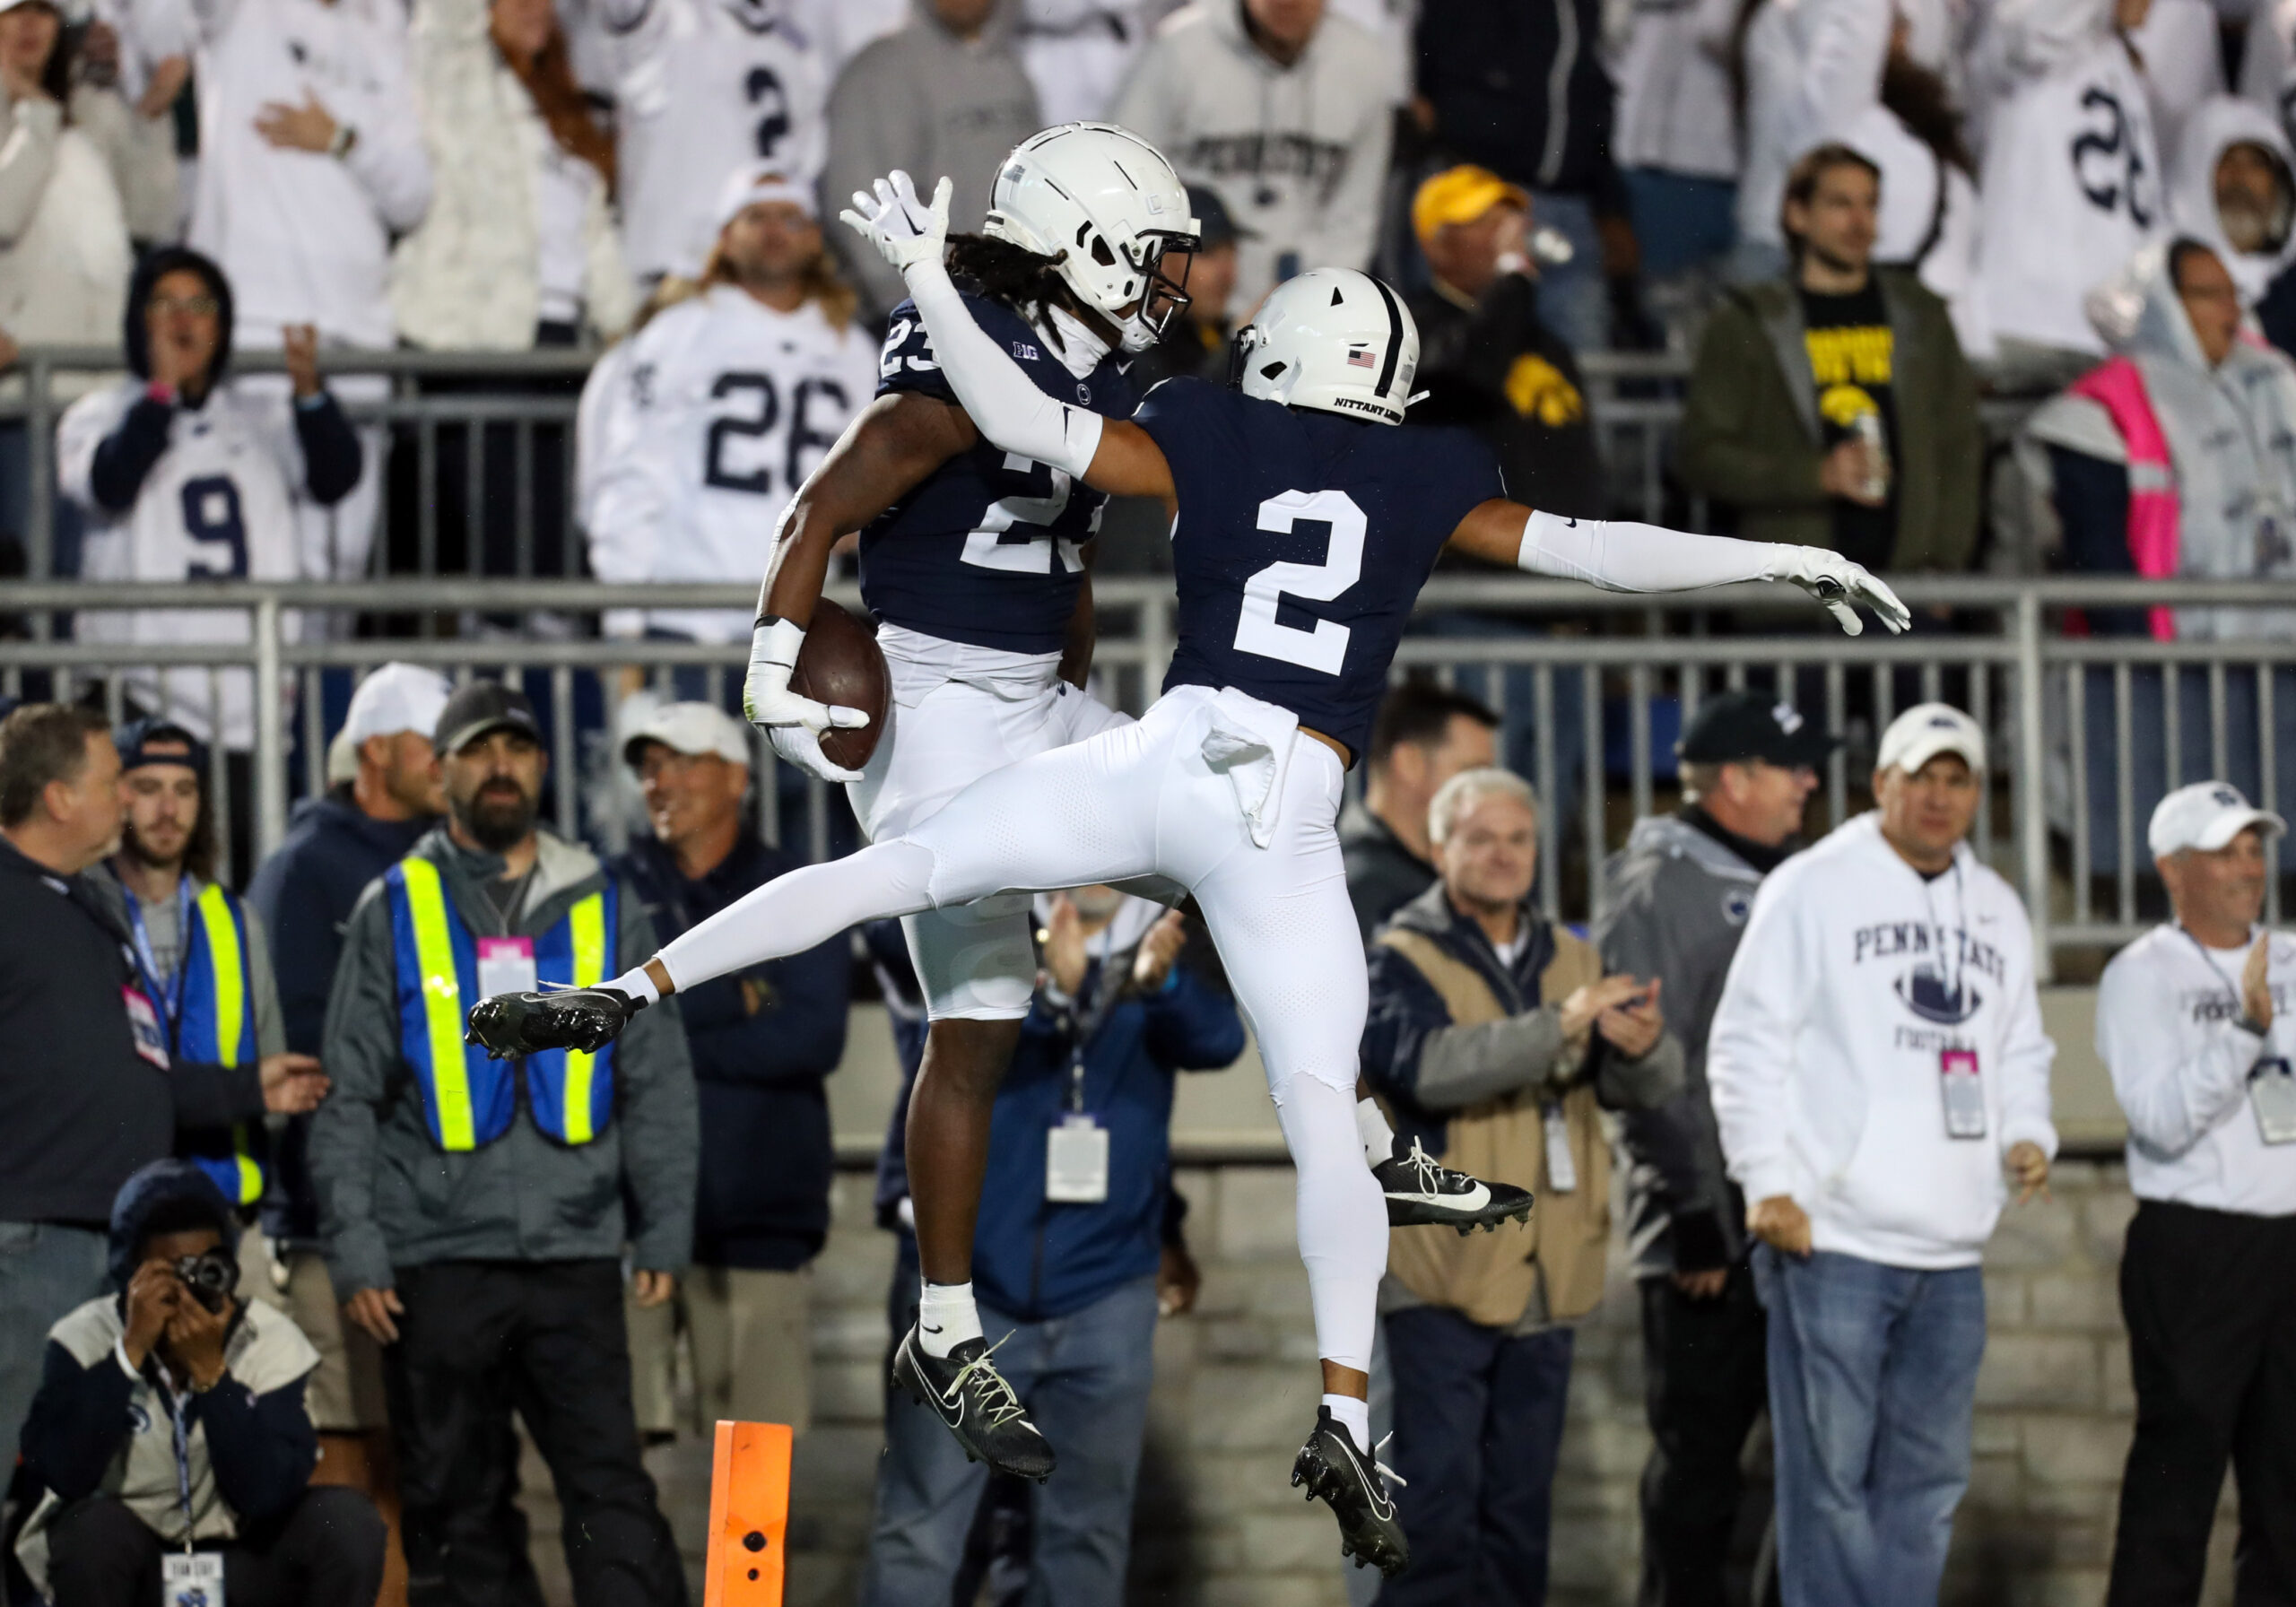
{"x": 793, "y": 724}
{"x": 1836, "y": 582}
{"x": 903, "y": 229}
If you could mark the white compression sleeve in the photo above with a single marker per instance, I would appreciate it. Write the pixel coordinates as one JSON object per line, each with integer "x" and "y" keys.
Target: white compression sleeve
{"x": 1343, "y": 1218}
{"x": 1620, "y": 555}
{"x": 1003, "y": 402}
{"x": 791, "y": 914}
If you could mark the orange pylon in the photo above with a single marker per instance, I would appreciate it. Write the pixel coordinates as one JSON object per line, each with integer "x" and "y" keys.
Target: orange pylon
{"x": 749, "y": 1515}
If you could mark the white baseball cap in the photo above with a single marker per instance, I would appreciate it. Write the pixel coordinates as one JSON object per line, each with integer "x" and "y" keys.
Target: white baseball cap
{"x": 689, "y": 728}
{"x": 2207, "y": 816}
{"x": 398, "y": 697}
{"x": 1925, "y": 730}
{"x": 758, "y": 184}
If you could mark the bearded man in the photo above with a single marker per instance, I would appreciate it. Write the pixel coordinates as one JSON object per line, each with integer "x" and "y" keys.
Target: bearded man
{"x": 473, "y": 1210}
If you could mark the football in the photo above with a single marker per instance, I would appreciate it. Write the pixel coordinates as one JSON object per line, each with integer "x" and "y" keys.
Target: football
{"x": 840, "y": 664}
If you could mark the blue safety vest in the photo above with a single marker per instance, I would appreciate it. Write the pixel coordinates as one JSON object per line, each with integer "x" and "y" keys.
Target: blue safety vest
{"x": 469, "y": 1098}
{"x": 210, "y": 1012}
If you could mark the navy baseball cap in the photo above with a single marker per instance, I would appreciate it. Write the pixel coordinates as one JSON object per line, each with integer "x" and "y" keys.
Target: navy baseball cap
{"x": 1737, "y": 726}
{"x": 136, "y": 739}
{"x": 1215, "y": 225}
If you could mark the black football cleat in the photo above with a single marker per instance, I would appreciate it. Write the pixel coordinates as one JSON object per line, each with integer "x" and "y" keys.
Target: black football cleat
{"x": 1421, "y": 1192}
{"x": 976, "y": 1404}
{"x": 1354, "y": 1487}
{"x": 587, "y": 1019}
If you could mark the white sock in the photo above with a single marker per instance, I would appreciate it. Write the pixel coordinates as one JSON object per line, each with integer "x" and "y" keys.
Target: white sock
{"x": 794, "y": 913}
{"x": 1379, "y": 1138}
{"x": 1343, "y": 1218}
{"x": 639, "y": 985}
{"x": 946, "y": 1317}
{"x": 1357, "y": 1415}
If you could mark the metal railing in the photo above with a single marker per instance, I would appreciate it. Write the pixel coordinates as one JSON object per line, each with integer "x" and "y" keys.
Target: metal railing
{"x": 1591, "y": 688}
{"x": 478, "y": 423}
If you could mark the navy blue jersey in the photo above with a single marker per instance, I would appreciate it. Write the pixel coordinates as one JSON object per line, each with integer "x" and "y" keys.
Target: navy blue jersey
{"x": 984, "y": 549}
{"x": 1303, "y": 539}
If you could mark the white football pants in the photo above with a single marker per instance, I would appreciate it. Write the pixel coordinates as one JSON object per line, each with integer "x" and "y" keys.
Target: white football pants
{"x": 975, "y": 961}
{"x": 1142, "y": 800}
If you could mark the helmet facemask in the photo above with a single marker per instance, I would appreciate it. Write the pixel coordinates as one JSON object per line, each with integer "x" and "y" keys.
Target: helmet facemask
{"x": 1160, "y": 297}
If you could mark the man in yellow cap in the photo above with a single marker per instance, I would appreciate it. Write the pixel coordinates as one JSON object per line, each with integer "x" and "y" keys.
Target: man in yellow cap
{"x": 1486, "y": 358}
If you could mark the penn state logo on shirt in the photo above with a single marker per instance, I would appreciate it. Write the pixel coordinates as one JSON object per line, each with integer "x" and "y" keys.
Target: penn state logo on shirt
{"x": 1928, "y": 994}
{"x": 1737, "y": 904}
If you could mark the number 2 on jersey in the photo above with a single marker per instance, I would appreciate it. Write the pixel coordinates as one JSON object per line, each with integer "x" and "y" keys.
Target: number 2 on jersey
{"x": 212, "y": 517}
{"x": 1324, "y": 648}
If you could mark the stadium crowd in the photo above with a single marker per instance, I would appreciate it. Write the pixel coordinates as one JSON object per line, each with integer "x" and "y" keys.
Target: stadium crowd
{"x": 258, "y": 1201}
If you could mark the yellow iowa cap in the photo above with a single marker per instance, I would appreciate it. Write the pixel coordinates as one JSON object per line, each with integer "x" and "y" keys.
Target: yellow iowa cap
{"x": 1460, "y": 195}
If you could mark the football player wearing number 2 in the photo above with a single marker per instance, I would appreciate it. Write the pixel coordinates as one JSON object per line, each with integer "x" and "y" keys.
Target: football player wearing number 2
{"x": 1304, "y": 527}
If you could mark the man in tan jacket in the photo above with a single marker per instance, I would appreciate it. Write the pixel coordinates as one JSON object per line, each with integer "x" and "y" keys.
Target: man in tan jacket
{"x": 1494, "y": 1040}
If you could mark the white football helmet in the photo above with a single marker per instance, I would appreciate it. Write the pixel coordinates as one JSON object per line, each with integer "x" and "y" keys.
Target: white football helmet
{"x": 1107, "y": 205}
{"x": 1331, "y": 339}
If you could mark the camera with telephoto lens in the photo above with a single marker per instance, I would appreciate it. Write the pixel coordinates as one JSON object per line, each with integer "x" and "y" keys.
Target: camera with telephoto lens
{"x": 211, "y": 1276}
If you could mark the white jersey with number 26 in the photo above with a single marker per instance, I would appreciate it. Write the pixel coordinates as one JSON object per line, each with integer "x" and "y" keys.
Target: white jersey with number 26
{"x": 710, "y": 420}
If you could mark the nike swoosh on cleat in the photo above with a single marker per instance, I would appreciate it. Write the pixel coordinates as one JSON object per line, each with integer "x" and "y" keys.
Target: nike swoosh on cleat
{"x": 1476, "y": 1201}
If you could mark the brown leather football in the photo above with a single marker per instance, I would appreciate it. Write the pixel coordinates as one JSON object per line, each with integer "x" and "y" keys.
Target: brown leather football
{"x": 839, "y": 664}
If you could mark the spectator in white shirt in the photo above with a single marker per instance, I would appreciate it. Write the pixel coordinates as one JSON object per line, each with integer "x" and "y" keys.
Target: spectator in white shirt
{"x": 1284, "y": 108}
{"x": 130, "y": 76}
{"x": 310, "y": 160}
{"x": 2193, "y": 1022}
{"x": 64, "y": 253}
{"x": 517, "y": 249}
{"x": 1876, "y": 1062}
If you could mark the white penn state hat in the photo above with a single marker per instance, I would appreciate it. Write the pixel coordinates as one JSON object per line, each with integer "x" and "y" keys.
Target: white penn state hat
{"x": 757, "y": 184}
{"x": 1925, "y": 730}
{"x": 398, "y": 697}
{"x": 2207, "y": 816}
{"x": 694, "y": 728}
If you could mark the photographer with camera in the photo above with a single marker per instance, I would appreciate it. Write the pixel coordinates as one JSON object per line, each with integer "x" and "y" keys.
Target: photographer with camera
{"x": 171, "y": 1437}
{"x": 1494, "y": 1040}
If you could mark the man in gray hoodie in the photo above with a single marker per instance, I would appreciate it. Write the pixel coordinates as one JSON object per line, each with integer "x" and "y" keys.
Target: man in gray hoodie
{"x": 1288, "y": 113}
{"x": 1677, "y": 899}
{"x": 473, "y": 1209}
{"x": 946, "y": 94}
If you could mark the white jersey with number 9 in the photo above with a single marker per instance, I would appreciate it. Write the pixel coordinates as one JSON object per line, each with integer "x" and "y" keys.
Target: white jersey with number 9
{"x": 218, "y": 506}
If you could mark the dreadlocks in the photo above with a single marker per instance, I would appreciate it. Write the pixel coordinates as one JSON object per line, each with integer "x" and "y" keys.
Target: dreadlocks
{"x": 1021, "y": 279}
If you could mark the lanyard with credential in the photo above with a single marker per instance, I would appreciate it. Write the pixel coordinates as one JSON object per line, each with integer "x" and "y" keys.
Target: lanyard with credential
{"x": 169, "y": 995}
{"x": 182, "y": 1461}
{"x": 1958, "y": 942}
{"x": 2240, "y": 1004}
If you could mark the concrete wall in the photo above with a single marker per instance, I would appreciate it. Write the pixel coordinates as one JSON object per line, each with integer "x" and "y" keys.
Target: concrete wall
{"x": 1219, "y": 1525}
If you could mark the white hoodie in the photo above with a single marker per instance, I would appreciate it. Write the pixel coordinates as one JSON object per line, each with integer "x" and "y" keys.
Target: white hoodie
{"x": 1854, "y": 977}
{"x": 2214, "y": 128}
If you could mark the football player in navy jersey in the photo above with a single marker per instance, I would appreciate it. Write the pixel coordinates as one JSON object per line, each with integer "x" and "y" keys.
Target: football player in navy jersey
{"x": 1304, "y": 529}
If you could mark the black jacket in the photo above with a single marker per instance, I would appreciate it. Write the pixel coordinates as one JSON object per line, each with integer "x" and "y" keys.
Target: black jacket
{"x": 762, "y": 1041}
{"x": 1382, "y": 874}
{"x": 1489, "y": 68}
{"x": 304, "y": 893}
{"x": 1495, "y": 368}
{"x": 80, "y": 1108}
